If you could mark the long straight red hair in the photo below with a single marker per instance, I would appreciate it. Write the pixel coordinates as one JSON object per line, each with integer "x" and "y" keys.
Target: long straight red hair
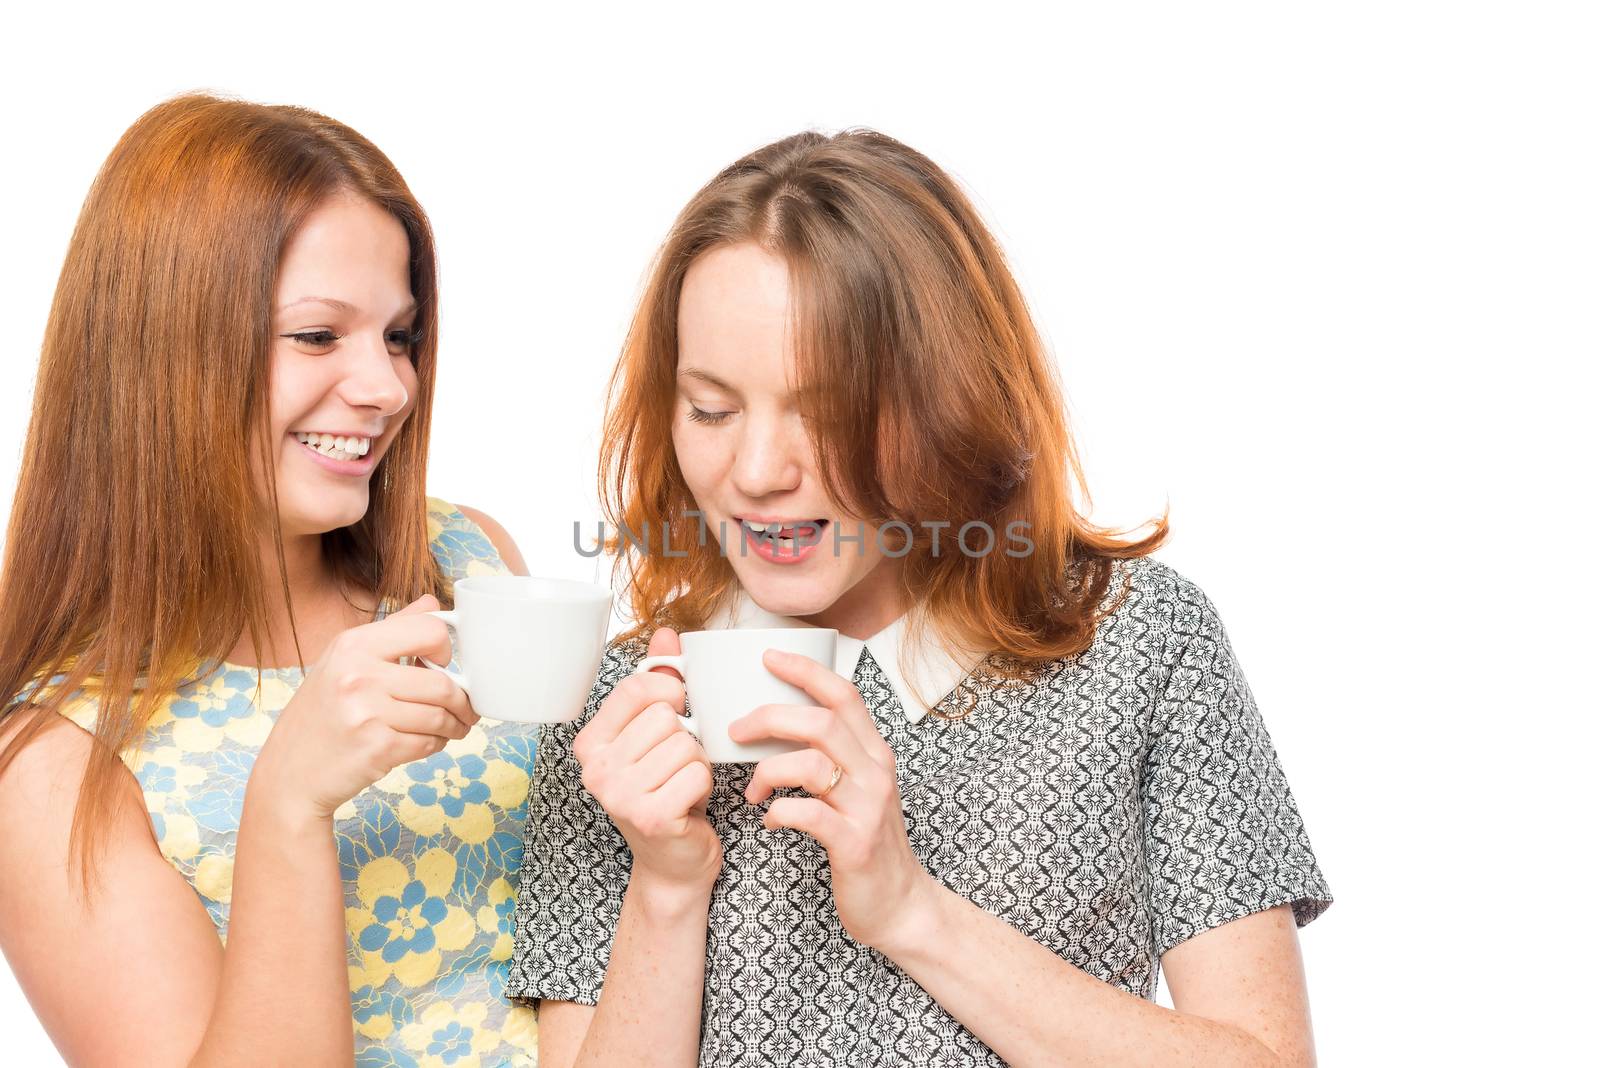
{"x": 133, "y": 548}
{"x": 926, "y": 383}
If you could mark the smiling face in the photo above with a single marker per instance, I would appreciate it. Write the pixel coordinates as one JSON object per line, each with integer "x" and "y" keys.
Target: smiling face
{"x": 342, "y": 379}
{"x": 747, "y": 455}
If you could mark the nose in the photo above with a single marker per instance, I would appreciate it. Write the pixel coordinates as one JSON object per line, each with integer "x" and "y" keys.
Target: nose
{"x": 371, "y": 380}
{"x": 769, "y": 459}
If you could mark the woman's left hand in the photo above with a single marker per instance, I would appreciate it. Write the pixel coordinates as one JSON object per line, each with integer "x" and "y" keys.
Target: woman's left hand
{"x": 878, "y": 883}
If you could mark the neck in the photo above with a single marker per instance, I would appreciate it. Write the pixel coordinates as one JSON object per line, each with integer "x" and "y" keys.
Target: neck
{"x": 306, "y": 567}
{"x": 319, "y": 604}
{"x": 868, "y": 606}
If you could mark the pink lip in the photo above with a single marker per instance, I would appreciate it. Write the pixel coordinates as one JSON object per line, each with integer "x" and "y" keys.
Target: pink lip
{"x": 353, "y": 468}
{"x": 343, "y": 433}
{"x": 768, "y": 550}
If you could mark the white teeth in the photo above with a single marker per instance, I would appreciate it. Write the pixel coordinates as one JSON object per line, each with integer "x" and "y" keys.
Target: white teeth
{"x": 785, "y": 544}
{"x": 771, "y": 531}
{"x": 336, "y": 446}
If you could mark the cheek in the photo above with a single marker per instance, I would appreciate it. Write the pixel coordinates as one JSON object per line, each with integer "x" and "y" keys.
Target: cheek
{"x": 700, "y": 457}
{"x": 294, "y": 385}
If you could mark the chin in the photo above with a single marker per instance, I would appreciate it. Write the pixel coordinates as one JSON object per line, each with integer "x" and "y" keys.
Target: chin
{"x": 322, "y": 516}
{"x": 785, "y": 596}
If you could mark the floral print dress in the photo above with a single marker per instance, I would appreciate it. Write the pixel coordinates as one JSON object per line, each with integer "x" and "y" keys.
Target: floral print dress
{"x": 429, "y": 853}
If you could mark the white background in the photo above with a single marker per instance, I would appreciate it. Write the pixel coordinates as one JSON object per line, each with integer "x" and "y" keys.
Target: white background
{"x": 1323, "y": 277}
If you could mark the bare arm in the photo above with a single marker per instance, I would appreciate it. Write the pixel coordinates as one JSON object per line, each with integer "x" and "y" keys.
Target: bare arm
{"x": 141, "y": 953}
{"x": 137, "y": 975}
{"x": 649, "y": 1011}
{"x": 1248, "y": 974}
{"x": 1238, "y": 993}
{"x": 286, "y": 946}
{"x": 653, "y": 780}
{"x": 562, "y": 1025}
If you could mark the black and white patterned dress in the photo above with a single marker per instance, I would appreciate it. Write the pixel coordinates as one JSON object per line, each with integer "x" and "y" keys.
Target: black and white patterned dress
{"x": 1109, "y": 807}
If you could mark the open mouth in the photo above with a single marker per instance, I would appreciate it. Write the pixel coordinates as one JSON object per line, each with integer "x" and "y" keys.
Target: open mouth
{"x": 336, "y": 446}
{"x": 784, "y": 536}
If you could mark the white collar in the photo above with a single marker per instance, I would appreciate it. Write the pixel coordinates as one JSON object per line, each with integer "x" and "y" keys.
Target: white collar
{"x": 935, "y": 669}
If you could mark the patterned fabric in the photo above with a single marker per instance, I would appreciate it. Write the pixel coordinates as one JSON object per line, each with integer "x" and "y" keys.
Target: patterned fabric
{"x": 429, "y": 853}
{"x": 1113, "y": 805}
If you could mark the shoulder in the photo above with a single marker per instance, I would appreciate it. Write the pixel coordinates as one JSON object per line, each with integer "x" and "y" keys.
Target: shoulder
{"x": 46, "y": 757}
{"x": 466, "y": 539}
{"x": 1177, "y": 632}
{"x": 80, "y": 706}
{"x": 1156, "y": 614}
{"x": 499, "y": 536}
{"x": 1159, "y": 597}
{"x": 40, "y": 784}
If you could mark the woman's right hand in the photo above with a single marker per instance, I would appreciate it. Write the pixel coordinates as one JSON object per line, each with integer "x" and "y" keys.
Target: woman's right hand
{"x": 360, "y": 713}
{"x": 653, "y": 778}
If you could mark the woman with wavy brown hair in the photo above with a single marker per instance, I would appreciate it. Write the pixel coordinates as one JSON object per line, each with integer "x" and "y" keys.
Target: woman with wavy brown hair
{"x": 214, "y": 854}
{"x": 1036, "y": 773}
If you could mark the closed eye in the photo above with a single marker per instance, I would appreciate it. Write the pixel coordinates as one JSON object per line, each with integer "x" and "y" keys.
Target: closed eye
{"x": 317, "y": 339}
{"x": 700, "y": 416}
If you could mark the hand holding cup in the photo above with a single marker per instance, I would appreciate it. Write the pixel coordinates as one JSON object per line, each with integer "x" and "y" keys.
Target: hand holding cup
{"x": 360, "y": 713}
{"x": 653, "y": 778}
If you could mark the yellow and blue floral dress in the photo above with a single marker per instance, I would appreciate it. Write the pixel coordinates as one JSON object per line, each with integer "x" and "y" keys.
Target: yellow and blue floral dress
{"x": 429, "y": 853}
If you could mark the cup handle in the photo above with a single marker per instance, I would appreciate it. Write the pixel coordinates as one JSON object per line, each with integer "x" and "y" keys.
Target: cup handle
{"x": 455, "y": 676}
{"x": 676, "y": 664}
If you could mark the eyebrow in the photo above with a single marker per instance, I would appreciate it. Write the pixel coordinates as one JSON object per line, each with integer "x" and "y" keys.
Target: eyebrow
{"x": 707, "y": 377}
{"x": 342, "y": 305}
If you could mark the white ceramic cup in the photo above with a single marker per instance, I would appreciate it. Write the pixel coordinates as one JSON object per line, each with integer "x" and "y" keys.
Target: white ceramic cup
{"x": 726, "y": 680}
{"x": 527, "y": 649}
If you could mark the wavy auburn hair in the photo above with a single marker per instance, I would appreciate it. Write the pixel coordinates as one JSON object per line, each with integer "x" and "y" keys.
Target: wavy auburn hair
{"x": 133, "y": 549}
{"x": 928, "y": 389}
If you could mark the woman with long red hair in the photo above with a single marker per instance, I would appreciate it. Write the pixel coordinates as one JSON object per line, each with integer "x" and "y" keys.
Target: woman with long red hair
{"x": 1034, "y": 776}
{"x": 213, "y": 853}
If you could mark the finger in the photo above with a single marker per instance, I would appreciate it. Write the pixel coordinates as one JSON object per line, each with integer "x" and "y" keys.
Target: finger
{"x": 426, "y": 603}
{"x": 664, "y": 642}
{"x": 809, "y": 769}
{"x": 656, "y": 723}
{"x": 657, "y": 767}
{"x": 630, "y": 697}
{"x": 427, "y": 686}
{"x": 819, "y": 728}
{"x": 829, "y": 690}
{"x": 810, "y": 816}
{"x": 407, "y": 717}
{"x": 407, "y": 748}
{"x": 687, "y": 790}
{"x": 406, "y": 635}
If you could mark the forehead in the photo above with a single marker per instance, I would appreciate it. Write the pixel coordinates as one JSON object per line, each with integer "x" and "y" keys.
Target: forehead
{"x": 347, "y": 247}
{"x": 734, "y": 310}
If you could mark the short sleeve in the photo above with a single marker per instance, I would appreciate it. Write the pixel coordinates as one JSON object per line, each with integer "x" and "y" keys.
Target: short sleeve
{"x": 575, "y": 864}
{"x": 1223, "y": 837}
